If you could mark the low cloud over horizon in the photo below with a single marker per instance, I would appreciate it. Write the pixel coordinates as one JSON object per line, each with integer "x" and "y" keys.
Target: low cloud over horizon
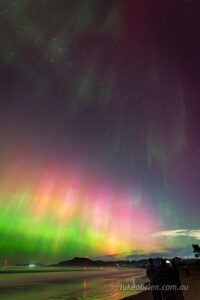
{"x": 178, "y": 232}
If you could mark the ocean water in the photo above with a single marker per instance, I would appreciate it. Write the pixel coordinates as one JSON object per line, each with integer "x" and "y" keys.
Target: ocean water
{"x": 99, "y": 288}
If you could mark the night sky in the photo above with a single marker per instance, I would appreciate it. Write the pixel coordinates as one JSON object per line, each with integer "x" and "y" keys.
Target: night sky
{"x": 99, "y": 129}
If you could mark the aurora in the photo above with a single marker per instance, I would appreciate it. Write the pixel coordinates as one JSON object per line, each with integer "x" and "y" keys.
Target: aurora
{"x": 99, "y": 130}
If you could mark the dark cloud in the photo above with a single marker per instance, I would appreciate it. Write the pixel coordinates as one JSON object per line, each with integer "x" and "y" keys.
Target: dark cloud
{"x": 169, "y": 252}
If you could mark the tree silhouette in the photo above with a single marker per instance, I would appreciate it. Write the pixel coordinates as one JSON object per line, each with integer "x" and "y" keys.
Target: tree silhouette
{"x": 196, "y": 250}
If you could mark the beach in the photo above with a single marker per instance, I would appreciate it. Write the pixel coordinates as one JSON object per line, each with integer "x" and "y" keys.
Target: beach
{"x": 98, "y": 283}
{"x": 35, "y": 278}
{"x": 93, "y": 283}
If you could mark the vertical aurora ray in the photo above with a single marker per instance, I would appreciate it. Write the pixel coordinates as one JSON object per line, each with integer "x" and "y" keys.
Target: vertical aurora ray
{"x": 99, "y": 128}
{"x": 57, "y": 213}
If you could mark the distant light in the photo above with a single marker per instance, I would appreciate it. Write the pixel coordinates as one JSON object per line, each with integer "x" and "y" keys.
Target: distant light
{"x": 167, "y": 261}
{"x": 31, "y": 266}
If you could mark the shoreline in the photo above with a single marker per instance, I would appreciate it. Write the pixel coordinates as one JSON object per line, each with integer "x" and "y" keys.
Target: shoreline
{"x": 51, "y": 277}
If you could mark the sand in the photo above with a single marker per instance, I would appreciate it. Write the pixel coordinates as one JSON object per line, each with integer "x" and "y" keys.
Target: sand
{"x": 140, "y": 296}
{"x": 193, "y": 282}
